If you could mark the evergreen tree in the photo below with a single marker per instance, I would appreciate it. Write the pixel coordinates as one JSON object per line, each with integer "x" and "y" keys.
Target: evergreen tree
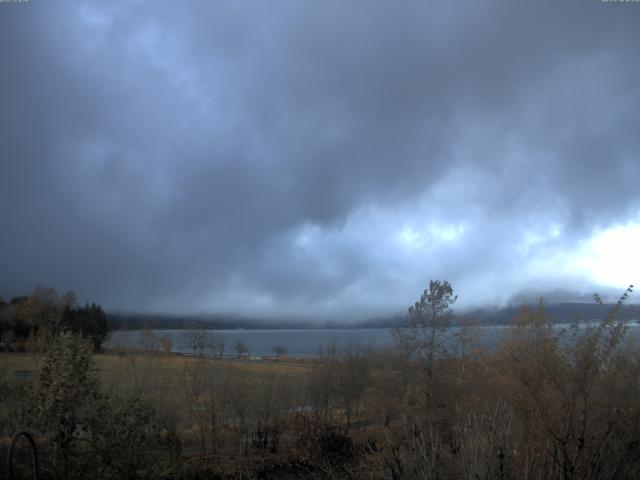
{"x": 66, "y": 392}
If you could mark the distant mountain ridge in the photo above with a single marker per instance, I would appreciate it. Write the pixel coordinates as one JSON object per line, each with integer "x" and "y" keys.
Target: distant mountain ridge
{"x": 557, "y": 313}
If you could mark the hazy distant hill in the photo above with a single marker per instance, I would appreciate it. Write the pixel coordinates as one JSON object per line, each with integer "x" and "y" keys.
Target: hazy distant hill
{"x": 560, "y": 312}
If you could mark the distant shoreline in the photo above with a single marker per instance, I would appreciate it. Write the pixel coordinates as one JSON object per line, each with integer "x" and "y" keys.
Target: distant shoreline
{"x": 557, "y": 313}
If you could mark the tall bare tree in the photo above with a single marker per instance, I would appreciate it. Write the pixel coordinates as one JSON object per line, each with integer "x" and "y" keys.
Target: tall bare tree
{"x": 425, "y": 335}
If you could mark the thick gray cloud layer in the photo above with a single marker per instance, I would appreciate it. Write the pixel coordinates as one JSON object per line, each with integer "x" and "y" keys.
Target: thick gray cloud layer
{"x": 311, "y": 158}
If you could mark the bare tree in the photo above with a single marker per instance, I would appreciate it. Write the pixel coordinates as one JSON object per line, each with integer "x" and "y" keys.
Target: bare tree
{"x": 192, "y": 382}
{"x": 429, "y": 317}
{"x": 467, "y": 337}
{"x": 240, "y": 348}
{"x": 167, "y": 343}
{"x": 280, "y": 350}
{"x": 195, "y": 339}
{"x": 216, "y": 343}
{"x": 425, "y": 335}
{"x": 138, "y": 374}
{"x": 149, "y": 341}
{"x": 322, "y": 378}
{"x": 211, "y": 416}
{"x": 354, "y": 374}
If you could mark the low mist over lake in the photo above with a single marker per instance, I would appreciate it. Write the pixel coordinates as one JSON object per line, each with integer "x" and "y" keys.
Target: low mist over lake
{"x": 308, "y": 343}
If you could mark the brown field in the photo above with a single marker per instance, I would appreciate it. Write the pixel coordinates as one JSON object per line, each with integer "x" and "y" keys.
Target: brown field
{"x": 169, "y": 367}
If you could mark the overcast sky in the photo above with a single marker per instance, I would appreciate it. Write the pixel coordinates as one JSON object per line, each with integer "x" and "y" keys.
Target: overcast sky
{"x": 318, "y": 158}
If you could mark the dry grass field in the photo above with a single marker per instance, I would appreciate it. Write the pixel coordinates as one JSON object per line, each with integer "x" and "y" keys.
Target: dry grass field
{"x": 123, "y": 368}
{"x": 169, "y": 380}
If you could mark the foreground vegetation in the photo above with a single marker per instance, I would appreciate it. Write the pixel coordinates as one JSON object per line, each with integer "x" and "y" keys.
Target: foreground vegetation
{"x": 545, "y": 404}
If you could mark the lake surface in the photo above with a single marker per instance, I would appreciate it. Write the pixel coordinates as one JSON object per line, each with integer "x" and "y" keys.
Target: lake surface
{"x": 302, "y": 343}
{"x": 306, "y": 343}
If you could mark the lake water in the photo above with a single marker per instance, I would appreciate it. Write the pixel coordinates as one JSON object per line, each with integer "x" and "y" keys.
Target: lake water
{"x": 306, "y": 343}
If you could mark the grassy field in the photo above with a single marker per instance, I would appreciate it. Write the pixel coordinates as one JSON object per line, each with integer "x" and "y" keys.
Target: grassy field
{"x": 29, "y": 363}
{"x": 154, "y": 371}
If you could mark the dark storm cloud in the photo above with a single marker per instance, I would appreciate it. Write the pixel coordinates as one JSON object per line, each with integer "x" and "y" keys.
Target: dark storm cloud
{"x": 311, "y": 157}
